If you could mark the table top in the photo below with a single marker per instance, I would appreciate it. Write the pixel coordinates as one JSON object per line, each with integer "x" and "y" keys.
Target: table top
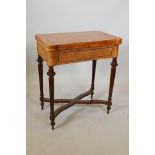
{"x": 63, "y": 48}
{"x": 77, "y": 38}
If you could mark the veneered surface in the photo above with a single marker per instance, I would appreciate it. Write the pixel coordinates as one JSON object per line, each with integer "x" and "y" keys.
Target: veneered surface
{"x": 77, "y": 38}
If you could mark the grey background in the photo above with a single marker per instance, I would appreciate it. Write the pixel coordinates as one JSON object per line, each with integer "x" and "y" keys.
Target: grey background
{"x": 83, "y": 129}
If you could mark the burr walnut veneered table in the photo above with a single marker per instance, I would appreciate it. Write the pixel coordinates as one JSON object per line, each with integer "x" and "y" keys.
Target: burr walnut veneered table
{"x": 64, "y": 48}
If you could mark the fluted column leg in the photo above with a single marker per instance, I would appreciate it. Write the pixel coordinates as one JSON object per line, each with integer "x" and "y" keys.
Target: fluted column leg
{"x": 40, "y": 72}
{"x": 51, "y": 74}
{"x": 93, "y": 77}
{"x": 112, "y": 78}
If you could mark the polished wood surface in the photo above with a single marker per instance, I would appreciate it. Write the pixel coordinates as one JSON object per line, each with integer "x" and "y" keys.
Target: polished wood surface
{"x": 77, "y": 38}
{"x": 63, "y": 48}
{"x": 51, "y": 74}
{"x": 93, "y": 77}
{"x": 40, "y": 72}
{"x": 111, "y": 85}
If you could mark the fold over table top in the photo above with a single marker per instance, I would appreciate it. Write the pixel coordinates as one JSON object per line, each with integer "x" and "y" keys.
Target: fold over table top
{"x": 63, "y": 48}
{"x": 58, "y": 40}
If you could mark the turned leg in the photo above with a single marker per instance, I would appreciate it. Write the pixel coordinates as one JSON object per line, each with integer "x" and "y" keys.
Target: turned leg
{"x": 93, "y": 77}
{"x": 112, "y": 78}
{"x": 40, "y": 72}
{"x": 51, "y": 74}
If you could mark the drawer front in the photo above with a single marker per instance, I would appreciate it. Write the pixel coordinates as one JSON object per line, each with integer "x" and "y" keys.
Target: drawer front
{"x": 85, "y": 54}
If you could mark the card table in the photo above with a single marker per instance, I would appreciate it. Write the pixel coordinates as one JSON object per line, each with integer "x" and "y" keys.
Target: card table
{"x": 72, "y": 47}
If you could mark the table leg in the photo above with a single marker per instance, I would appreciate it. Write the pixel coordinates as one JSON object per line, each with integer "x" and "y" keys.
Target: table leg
{"x": 51, "y": 74}
{"x": 93, "y": 77}
{"x": 112, "y": 78}
{"x": 40, "y": 72}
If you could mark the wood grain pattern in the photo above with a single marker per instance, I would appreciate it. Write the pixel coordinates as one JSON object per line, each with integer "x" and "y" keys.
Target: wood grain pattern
{"x": 85, "y": 54}
{"x": 63, "y": 48}
{"x": 77, "y": 38}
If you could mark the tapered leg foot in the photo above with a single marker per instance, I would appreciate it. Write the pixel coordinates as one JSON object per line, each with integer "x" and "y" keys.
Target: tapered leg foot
{"x": 108, "y": 109}
{"x": 52, "y": 118}
{"x": 42, "y": 105}
{"x": 92, "y": 95}
{"x": 42, "y": 102}
{"x": 52, "y": 127}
